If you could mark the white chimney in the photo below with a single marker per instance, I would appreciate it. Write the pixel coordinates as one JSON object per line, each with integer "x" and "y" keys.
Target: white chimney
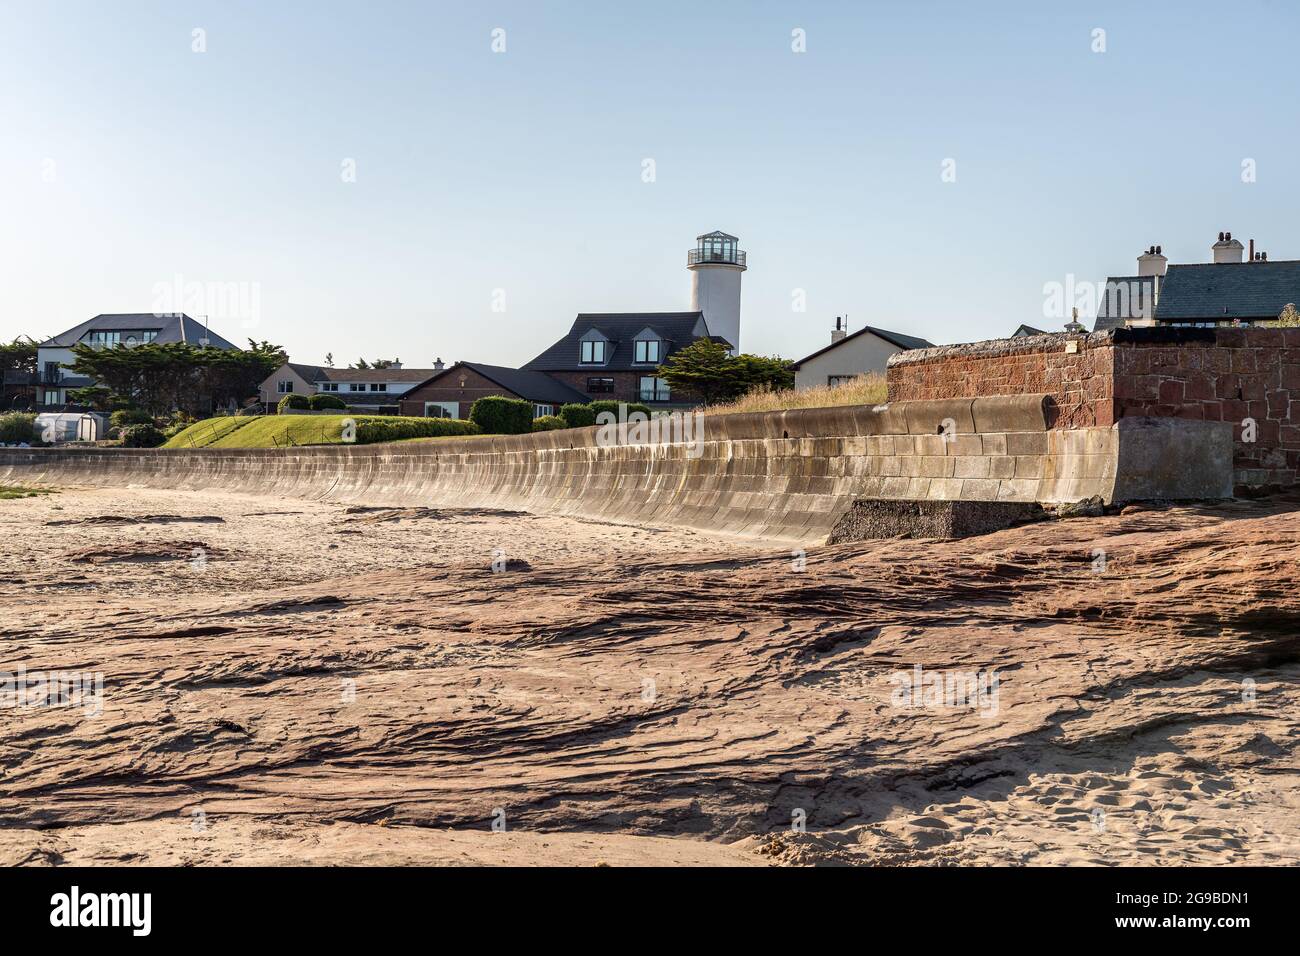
{"x": 840, "y": 330}
{"x": 396, "y": 364}
{"x": 1227, "y": 249}
{"x": 1152, "y": 262}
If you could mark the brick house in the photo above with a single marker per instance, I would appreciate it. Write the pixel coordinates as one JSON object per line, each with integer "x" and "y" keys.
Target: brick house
{"x": 614, "y": 355}
{"x": 451, "y": 392}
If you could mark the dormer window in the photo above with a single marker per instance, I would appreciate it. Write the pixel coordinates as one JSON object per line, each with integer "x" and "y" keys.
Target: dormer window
{"x": 648, "y": 352}
{"x": 593, "y": 353}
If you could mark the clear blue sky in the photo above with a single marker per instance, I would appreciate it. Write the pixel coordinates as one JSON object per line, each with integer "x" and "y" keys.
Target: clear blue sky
{"x": 128, "y": 160}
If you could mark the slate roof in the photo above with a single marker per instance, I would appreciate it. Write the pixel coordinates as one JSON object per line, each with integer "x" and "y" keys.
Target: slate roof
{"x": 320, "y": 373}
{"x": 1127, "y": 297}
{"x": 677, "y": 329}
{"x": 526, "y": 383}
{"x": 1215, "y": 292}
{"x": 904, "y": 342}
{"x": 174, "y": 327}
{"x": 1027, "y": 330}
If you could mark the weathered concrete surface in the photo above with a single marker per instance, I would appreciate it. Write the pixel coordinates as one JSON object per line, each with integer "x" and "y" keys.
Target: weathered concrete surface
{"x": 871, "y": 519}
{"x": 785, "y": 476}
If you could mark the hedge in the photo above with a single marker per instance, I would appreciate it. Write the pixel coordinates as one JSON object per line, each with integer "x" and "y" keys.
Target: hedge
{"x": 578, "y": 416}
{"x": 393, "y": 428}
{"x": 323, "y": 400}
{"x": 293, "y": 400}
{"x": 549, "y": 423}
{"x": 18, "y": 428}
{"x": 609, "y": 405}
{"x": 496, "y": 415}
{"x": 142, "y": 436}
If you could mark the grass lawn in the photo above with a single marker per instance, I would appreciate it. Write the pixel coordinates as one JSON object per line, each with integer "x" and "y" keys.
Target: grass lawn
{"x": 263, "y": 431}
{"x": 8, "y": 492}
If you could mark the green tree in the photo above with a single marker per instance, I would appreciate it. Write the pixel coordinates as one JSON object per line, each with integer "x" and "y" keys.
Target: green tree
{"x": 18, "y": 355}
{"x": 176, "y": 375}
{"x": 706, "y": 369}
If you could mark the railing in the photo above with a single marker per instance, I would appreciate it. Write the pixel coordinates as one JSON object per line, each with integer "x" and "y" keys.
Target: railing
{"x": 654, "y": 395}
{"x": 696, "y": 256}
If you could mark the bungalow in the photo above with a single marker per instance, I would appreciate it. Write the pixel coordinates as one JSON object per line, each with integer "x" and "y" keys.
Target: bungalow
{"x": 54, "y": 356}
{"x": 451, "y": 393}
{"x": 852, "y": 354}
{"x": 375, "y": 390}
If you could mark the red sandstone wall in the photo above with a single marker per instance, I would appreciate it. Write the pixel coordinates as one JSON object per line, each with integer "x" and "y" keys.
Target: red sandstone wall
{"x": 1211, "y": 374}
{"x": 1080, "y": 383}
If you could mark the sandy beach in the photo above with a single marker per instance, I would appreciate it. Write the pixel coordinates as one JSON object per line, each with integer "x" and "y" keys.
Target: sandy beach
{"x": 305, "y": 682}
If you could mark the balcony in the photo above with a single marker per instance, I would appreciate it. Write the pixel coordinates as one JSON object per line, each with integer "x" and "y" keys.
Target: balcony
{"x": 734, "y": 257}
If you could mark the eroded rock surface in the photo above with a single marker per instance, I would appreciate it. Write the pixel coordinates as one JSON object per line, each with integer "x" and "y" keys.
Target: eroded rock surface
{"x": 1146, "y": 706}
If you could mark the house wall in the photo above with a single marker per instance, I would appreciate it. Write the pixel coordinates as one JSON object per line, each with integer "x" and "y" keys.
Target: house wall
{"x": 1249, "y": 377}
{"x": 855, "y": 356}
{"x": 447, "y": 388}
{"x": 269, "y": 392}
{"x": 626, "y": 384}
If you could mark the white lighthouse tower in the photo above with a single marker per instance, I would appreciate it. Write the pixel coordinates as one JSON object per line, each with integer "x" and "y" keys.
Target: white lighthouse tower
{"x": 715, "y": 265}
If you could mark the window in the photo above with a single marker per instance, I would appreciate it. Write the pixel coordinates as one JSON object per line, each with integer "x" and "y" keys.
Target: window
{"x": 653, "y": 389}
{"x": 52, "y": 397}
{"x": 380, "y": 387}
{"x": 540, "y": 410}
{"x": 833, "y": 380}
{"x": 597, "y": 386}
{"x": 442, "y": 409}
{"x": 357, "y": 387}
{"x": 593, "y": 353}
{"x": 648, "y": 351}
{"x": 102, "y": 340}
{"x": 284, "y": 387}
{"x": 328, "y": 386}
{"x": 52, "y": 373}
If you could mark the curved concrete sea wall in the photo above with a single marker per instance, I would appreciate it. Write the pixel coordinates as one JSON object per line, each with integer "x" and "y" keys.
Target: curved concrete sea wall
{"x": 786, "y": 476}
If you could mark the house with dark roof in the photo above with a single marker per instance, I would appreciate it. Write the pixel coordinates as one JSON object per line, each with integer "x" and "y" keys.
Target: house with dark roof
{"x": 1232, "y": 289}
{"x": 451, "y": 392}
{"x": 851, "y": 354}
{"x": 1026, "y": 331}
{"x": 614, "y": 355}
{"x": 109, "y": 330}
{"x": 375, "y": 390}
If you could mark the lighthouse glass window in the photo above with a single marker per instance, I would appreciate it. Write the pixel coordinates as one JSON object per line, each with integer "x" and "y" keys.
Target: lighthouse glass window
{"x": 593, "y": 352}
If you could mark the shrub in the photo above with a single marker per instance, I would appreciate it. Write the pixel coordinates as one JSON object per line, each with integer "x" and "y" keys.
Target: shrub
{"x": 549, "y": 423}
{"x": 577, "y": 416}
{"x": 129, "y": 416}
{"x": 142, "y": 436}
{"x": 293, "y": 400}
{"x": 496, "y": 415}
{"x": 394, "y": 428}
{"x": 17, "y": 428}
{"x": 609, "y": 405}
{"x": 323, "y": 400}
